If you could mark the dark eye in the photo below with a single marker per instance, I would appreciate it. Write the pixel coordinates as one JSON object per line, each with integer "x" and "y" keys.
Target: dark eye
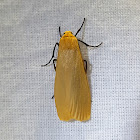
{"x": 64, "y": 33}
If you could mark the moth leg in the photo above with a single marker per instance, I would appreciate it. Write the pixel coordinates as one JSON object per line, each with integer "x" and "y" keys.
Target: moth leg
{"x": 54, "y": 60}
{"x": 52, "y": 97}
{"x": 86, "y": 65}
{"x": 90, "y": 45}
{"x": 52, "y": 55}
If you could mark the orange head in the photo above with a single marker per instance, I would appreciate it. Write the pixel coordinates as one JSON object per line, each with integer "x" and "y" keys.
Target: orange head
{"x": 68, "y": 34}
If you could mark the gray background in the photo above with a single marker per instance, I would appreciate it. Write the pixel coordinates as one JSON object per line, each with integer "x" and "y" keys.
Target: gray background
{"x": 28, "y": 32}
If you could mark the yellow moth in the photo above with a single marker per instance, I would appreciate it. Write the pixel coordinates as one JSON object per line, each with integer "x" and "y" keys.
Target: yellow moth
{"x": 71, "y": 90}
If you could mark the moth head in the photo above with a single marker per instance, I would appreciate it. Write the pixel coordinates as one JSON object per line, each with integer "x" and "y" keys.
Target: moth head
{"x": 68, "y": 34}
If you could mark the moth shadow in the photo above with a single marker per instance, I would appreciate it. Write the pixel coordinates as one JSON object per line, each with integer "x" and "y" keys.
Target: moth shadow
{"x": 73, "y": 120}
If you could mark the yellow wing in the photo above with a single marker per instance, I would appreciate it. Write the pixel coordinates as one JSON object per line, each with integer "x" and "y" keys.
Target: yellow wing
{"x": 71, "y": 92}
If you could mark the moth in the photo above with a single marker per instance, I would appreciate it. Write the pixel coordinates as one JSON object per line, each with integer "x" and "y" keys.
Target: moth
{"x": 71, "y": 89}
